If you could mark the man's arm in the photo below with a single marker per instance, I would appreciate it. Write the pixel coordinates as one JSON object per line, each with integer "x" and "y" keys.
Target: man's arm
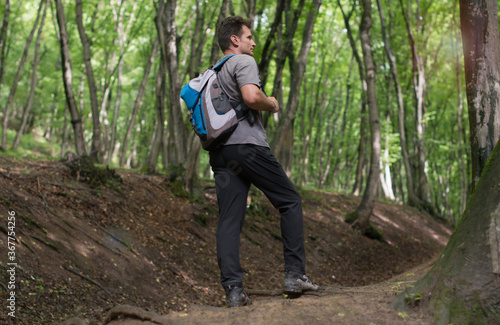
{"x": 256, "y": 99}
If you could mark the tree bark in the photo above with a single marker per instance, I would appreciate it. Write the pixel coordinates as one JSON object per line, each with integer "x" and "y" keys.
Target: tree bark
{"x": 3, "y": 39}
{"x": 76, "y": 119}
{"x": 363, "y": 212}
{"x": 34, "y": 79}
{"x": 135, "y": 110}
{"x": 168, "y": 35}
{"x": 87, "y": 57}
{"x": 479, "y": 20}
{"x": 13, "y": 90}
{"x": 463, "y": 287}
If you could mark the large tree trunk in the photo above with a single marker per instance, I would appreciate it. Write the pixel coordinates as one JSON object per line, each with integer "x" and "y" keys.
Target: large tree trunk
{"x": 87, "y": 56}
{"x": 34, "y": 79}
{"x": 412, "y": 199}
{"x": 482, "y": 72}
{"x": 363, "y": 212}
{"x": 76, "y": 119}
{"x": 13, "y": 90}
{"x": 3, "y": 39}
{"x": 463, "y": 287}
{"x": 283, "y": 143}
{"x": 135, "y": 110}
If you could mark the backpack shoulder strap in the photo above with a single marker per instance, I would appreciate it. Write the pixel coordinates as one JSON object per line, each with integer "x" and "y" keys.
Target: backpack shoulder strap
{"x": 218, "y": 66}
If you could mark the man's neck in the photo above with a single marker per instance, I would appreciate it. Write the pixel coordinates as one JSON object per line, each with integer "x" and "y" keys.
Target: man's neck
{"x": 231, "y": 51}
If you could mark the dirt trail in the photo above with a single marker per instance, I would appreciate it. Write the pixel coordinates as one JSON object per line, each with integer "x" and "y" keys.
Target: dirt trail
{"x": 335, "y": 305}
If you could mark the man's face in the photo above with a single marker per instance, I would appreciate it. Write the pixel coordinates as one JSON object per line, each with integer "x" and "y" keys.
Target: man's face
{"x": 246, "y": 43}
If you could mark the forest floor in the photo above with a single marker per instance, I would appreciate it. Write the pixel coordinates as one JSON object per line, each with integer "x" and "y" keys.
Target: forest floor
{"x": 84, "y": 248}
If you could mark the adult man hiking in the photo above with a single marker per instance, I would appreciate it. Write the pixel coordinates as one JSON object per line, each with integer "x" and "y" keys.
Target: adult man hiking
{"x": 245, "y": 159}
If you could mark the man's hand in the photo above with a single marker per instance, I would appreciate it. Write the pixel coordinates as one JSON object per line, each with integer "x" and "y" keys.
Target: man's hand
{"x": 276, "y": 106}
{"x": 256, "y": 99}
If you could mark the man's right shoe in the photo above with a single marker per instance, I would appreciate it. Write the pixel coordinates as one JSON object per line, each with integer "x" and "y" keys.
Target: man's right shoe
{"x": 236, "y": 296}
{"x": 297, "y": 283}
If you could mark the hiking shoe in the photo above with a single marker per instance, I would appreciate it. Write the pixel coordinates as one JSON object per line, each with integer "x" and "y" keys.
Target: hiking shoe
{"x": 298, "y": 283}
{"x": 236, "y": 296}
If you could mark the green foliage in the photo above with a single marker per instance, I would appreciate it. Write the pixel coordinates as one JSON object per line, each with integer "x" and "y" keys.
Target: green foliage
{"x": 327, "y": 127}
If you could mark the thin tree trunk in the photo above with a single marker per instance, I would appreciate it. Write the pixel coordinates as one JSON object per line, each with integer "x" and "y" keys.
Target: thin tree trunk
{"x": 76, "y": 120}
{"x": 363, "y": 212}
{"x": 3, "y": 39}
{"x": 419, "y": 90}
{"x": 64, "y": 140}
{"x": 140, "y": 95}
{"x": 412, "y": 199}
{"x": 482, "y": 72}
{"x": 87, "y": 57}
{"x": 284, "y": 137}
{"x": 119, "y": 75}
{"x": 18, "y": 77}
{"x": 165, "y": 22}
{"x": 361, "y": 147}
{"x": 267, "y": 51}
{"x": 34, "y": 79}
{"x": 215, "y": 53}
{"x": 51, "y": 123}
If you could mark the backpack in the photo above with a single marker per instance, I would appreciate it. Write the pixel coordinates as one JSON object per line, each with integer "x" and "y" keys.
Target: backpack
{"x": 214, "y": 115}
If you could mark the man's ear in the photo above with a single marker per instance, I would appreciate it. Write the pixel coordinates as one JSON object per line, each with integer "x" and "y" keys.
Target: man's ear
{"x": 235, "y": 40}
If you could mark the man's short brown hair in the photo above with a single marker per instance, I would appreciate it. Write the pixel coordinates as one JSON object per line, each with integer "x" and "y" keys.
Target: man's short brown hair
{"x": 232, "y": 25}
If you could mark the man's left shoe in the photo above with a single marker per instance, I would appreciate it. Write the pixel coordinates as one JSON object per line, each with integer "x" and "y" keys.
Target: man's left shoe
{"x": 236, "y": 296}
{"x": 297, "y": 283}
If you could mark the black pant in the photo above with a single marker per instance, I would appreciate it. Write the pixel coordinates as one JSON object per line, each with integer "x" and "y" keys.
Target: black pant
{"x": 236, "y": 167}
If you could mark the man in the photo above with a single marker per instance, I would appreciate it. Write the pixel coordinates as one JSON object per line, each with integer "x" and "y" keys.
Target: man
{"x": 244, "y": 159}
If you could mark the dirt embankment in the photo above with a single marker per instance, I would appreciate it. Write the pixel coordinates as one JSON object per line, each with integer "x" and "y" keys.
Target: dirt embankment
{"x": 83, "y": 250}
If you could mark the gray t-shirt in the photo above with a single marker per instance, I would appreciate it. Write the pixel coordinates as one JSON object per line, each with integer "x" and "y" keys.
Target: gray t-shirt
{"x": 238, "y": 71}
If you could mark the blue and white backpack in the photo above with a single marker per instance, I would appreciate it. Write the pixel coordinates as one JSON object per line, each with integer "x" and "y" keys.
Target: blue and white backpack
{"x": 214, "y": 115}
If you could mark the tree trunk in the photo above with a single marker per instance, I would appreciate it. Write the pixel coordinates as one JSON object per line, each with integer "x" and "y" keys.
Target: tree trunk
{"x": 3, "y": 39}
{"x": 87, "y": 57}
{"x": 463, "y": 287}
{"x": 34, "y": 79}
{"x": 361, "y": 147}
{"x": 363, "y": 212}
{"x": 17, "y": 77}
{"x": 482, "y": 72}
{"x": 224, "y": 9}
{"x": 142, "y": 88}
{"x": 267, "y": 51}
{"x": 167, "y": 32}
{"x": 76, "y": 119}
{"x": 412, "y": 199}
{"x": 152, "y": 160}
{"x": 51, "y": 123}
{"x": 64, "y": 141}
{"x": 284, "y": 134}
{"x": 419, "y": 89}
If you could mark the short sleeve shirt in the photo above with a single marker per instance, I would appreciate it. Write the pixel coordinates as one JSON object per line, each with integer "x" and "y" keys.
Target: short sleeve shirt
{"x": 238, "y": 71}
